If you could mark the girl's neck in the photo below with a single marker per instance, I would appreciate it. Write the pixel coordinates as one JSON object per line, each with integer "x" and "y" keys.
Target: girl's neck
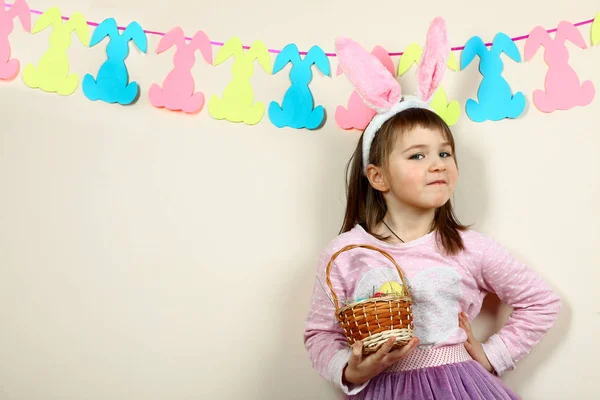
{"x": 407, "y": 225}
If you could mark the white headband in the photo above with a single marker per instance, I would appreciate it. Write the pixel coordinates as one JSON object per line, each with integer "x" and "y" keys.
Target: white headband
{"x": 369, "y": 134}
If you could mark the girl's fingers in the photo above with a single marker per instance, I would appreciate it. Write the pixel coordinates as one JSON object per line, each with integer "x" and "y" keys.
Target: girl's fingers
{"x": 356, "y": 356}
{"x": 385, "y": 349}
{"x": 463, "y": 322}
{"x": 404, "y": 351}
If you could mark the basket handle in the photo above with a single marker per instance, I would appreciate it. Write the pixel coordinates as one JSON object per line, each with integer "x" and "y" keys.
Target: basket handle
{"x": 364, "y": 246}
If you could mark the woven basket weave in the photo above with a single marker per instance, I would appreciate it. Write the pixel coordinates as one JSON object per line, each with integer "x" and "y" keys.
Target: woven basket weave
{"x": 373, "y": 321}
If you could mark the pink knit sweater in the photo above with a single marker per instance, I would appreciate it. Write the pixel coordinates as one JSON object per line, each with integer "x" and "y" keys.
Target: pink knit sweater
{"x": 441, "y": 287}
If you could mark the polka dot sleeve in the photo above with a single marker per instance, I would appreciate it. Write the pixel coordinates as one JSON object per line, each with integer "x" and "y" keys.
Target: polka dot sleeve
{"x": 324, "y": 339}
{"x": 535, "y": 305}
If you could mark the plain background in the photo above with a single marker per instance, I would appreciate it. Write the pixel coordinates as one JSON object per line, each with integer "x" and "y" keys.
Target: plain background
{"x": 146, "y": 254}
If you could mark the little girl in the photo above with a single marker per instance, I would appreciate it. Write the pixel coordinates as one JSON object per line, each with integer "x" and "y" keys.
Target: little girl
{"x": 402, "y": 176}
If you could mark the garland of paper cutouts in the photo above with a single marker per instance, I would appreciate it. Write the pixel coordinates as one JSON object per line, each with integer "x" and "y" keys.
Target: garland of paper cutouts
{"x": 495, "y": 101}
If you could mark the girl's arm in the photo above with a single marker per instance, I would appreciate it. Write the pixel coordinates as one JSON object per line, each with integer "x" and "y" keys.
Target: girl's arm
{"x": 535, "y": 305}
{"x": 324, "y": 339}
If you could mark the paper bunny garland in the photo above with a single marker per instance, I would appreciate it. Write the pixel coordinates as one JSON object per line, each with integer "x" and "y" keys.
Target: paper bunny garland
{"x": 381, "y": 91}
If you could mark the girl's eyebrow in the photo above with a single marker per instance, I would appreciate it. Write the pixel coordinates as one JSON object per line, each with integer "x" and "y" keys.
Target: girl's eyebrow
{"x": 423, "y": 146}
{"x": 415, "y": 146}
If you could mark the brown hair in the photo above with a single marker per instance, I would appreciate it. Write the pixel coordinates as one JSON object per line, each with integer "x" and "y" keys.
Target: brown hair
{"x": 366, "y": 206}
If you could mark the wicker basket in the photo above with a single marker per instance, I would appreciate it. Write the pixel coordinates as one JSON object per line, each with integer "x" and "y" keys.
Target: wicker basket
{"x": 373, "y": 321}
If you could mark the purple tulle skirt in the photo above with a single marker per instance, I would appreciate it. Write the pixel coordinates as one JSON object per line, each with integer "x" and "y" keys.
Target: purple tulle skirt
{"x": 465, "y": 380}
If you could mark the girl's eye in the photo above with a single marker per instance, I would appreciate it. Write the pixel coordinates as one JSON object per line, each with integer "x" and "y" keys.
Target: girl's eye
{"x": 445, "y": 154}
{"x": 416, "y": 156}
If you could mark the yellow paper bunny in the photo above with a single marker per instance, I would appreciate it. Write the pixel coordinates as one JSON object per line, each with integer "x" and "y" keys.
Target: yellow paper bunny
{"x": 237, "y": 104}
{"x": 52, "y": 72}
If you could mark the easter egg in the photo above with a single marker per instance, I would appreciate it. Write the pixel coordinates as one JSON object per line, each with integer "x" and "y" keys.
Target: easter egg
{"x": 393, "y": 288}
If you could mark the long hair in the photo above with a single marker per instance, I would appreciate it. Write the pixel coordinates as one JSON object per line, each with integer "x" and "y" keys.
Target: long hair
{"x": 366, "y": 206}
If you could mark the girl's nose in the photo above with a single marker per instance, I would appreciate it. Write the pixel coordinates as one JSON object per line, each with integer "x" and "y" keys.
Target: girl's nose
{"x": 438, "y": 165}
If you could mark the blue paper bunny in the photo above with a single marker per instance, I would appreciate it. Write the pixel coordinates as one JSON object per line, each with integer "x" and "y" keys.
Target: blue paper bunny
{"x": 297, "y": 108}
{"x": 496, "y": 100}
{"x": 111, "y": 85}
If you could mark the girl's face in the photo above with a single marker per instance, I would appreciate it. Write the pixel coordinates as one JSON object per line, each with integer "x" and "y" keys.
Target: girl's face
{"x": 421, "y": 171}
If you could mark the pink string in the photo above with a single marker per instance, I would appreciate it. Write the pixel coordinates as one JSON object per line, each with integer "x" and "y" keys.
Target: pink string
{"x": 399, "y": 53}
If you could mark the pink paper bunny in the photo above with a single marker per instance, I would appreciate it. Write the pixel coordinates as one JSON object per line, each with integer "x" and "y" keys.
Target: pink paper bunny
{"x": 177, "y": 92}
{"x": 9, "y": 68}
{"x": 563, "y": 90}
{"x": 358, "y": 114}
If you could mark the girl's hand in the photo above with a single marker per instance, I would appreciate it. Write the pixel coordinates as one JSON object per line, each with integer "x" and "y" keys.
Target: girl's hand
{"x": 474, "y": 348}
{"x": 360, "y": 370}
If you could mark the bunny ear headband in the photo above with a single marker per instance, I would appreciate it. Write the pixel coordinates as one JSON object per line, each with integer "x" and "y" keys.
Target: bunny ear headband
{"x": 381, "y": 91}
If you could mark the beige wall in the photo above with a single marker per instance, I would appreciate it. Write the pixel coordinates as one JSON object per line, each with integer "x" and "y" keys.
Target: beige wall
{"x": 129, "y": 236}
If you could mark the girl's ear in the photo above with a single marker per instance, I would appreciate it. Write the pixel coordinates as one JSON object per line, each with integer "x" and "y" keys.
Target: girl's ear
{"x": 377, "y": 178}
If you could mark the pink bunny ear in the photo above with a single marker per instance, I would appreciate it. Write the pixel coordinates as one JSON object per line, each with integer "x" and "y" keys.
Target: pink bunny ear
{"x": 434, "y": 58}
{"x": 371, "y": 79}
{"x": 384, "y": 57}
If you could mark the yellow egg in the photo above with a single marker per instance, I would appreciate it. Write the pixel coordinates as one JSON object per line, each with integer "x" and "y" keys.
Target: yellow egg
{"x": 392, "y": 288}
